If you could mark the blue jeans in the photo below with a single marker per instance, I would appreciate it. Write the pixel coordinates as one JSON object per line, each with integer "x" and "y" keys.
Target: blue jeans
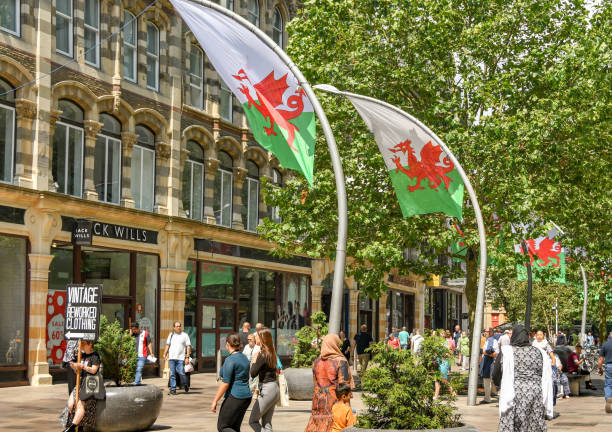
{"x": 177, "y": 366}
{"x": 140, "y": 362}
{"x": 608, "y": 385}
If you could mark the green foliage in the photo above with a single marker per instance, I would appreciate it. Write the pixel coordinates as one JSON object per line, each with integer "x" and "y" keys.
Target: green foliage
{"x": 305, "y": 353}
{"x": 117, "y": 351}
{"x": 399, "y": 388}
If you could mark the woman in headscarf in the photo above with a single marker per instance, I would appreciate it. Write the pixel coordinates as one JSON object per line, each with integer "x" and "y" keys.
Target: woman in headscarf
{"x": 329, "y": 370}
{"x": 524, "y": 375}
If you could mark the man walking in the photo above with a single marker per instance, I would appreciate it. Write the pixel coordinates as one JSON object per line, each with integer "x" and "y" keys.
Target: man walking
{"x": 362, "y": 340}
{"x": 416, "y": 340}
{"x": 144, "y": 349}
{"x": 604, "y": 365}
{"x": 404, "y": 338}
{"x": 244, "y": 334}
{"x": 178, "y": 351}
{"x": 489, "y": 352}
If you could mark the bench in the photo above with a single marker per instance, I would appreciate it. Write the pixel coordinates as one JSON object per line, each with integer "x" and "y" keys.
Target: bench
{"x": 574, "y": 382}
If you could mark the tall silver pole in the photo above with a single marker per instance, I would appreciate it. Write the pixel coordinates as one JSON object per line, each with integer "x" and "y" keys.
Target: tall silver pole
{"x": 474, "y": 357}
{"x": 337, "y": 290}
{"x": 584, "y": 307}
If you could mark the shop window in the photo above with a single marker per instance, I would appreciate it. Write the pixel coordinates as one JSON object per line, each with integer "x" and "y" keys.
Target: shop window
{"x": 107, "y": 160}
{"x": 226, "y": 102}
{"x": 9, "y": 16}
{"x": 278, "y": 27}
{"x": 193, "y": 181}
{"x": 152, "y": 57}
{"x": 109, "y": 268}
{"x": 146, "y": 293}
{"x": 196, "y": 77}
{"x": 257, "y": 297}
{"x": 92, "y": 32}
{"x": 7, "y": 131}
{"x": 63, "y": 27}
{"x": 143, "y": 169}
{"x": 253, "y": 12}
{"x": 67, "y": 164}
{"x": 216, "y": 281}
{"x": 293, "y": 311}
{"x": 277, "y": 181}
{"x": 130, "y": 32}
{"x": 13, "y": 252}
{"x": 224, "y": 178}
{"x": 250, "y": 197}
{"x": 60, "y": 275}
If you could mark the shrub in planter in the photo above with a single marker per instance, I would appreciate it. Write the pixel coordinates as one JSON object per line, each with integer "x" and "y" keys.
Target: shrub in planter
{"x": 117, "y": 352}
{"x": 398, "y": 389}
{"x": 305, "y": 353}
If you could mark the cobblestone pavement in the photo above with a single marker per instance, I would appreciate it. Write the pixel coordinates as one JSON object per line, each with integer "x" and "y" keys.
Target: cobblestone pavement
{"x": 37, "y": 409}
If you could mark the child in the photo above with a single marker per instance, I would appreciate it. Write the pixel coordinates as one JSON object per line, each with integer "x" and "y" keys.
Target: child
{"x": 342, "y": 411}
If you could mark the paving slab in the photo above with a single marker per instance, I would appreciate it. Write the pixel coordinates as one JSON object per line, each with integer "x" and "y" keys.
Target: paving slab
{"x": 37, "y": 409}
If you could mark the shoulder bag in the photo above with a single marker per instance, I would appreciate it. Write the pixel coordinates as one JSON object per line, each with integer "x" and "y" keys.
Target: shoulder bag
{"x": 93, "y": 387}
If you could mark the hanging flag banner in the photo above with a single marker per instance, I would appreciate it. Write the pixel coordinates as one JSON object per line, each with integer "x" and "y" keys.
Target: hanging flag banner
{"x": 280, "y": 115}
{"x": 544, "y": 252}
{"x": 82, "y": 319}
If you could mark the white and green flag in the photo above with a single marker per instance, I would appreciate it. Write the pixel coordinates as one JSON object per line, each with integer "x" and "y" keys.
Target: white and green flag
{"x": 280, "y": 115}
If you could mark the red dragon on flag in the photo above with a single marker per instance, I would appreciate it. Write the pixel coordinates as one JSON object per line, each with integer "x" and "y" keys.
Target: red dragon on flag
{"x": 269, "y": 93}
{"x": 428, "y": 167}
{"x": 548, "y": 250}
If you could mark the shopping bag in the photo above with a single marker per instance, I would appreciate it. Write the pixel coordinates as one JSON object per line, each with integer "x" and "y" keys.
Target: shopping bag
{"x": 284, "y": 390}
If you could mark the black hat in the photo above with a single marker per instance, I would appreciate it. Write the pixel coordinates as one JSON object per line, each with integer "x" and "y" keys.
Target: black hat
{"x": 135, "y": 324}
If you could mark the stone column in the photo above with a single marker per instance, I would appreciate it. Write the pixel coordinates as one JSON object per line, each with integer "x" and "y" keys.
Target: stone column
{"x": 315, "y": 299}
{"x": 162, "y": 174}
{"x": 382, "y": 316}
{"x": 128, "y": 140}
{"x": 419, "y": 307}
{"x": 211, "y": 166}
{"x": 26, "y": 113}
{"x": 353, "y": 325}
{"x": 239, "y": 176}
{"x": 92, "y": 129}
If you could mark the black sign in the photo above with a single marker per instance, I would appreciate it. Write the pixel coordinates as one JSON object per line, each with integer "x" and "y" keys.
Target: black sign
{"x": 82, "y": 232}
{"x": 124, "y": 233}
{"x": 82, "y": 311}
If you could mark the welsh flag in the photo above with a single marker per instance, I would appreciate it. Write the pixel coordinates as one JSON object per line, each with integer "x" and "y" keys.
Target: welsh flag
{"x": 544, "y": 252}
{"x": 424, "y": 178}
{"x": 279, "y": 113}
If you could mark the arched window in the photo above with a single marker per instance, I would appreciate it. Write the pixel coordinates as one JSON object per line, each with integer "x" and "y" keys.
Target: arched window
{"x": 130, "y": 32}
{"x": 143, "y": 169}
{"x": 250, "y": 197}
{"x": 152, "y": 57}
{"x": 277, "y": 181}
{"x": 67, "y": 167}
{"x": 226, "y": 109}
{"x": 9, "y": 14}
{"x": 107, "y": 160}
{"x": 222, "y": 205}
{"x": 92, "y": 32}
{"x": 193, "y": 181}
{"x": 7, "y": 131}
{"x": 278, "y": 27}
{"x": 253, "y": 12}
{"x": 63, "y": 27}
{"x": 196, "y": 77}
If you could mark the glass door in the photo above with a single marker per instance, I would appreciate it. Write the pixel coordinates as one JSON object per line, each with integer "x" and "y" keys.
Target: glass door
{"x": 218, "y": 320}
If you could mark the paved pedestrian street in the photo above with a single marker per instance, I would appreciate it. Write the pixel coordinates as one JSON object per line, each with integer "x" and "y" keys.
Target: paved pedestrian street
{"x": 37, "y": 409}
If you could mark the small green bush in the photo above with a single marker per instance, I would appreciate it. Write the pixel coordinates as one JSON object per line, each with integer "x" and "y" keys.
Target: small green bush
{"x": 398, "y": 389}
{"x": 305, "y": 354}
{"x": 117, "y": 352}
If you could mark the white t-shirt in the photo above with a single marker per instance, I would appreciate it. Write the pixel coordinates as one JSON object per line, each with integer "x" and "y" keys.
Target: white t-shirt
{"x": 250, "y": 352}
{"x": 416, "y": 343}
{"x": 178, "y": 345}
{"x": 504, "y": 340}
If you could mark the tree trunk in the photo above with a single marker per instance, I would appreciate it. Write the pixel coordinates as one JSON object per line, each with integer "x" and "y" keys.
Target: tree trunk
{"x": 603, "y": 317}
{"x": 471, "y": 286}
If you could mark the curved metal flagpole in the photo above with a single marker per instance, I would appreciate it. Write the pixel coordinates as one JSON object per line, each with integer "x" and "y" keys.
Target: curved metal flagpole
{"x": 473, "y": 379}
{"x": 585, "y": 302}
{"x": 337, "y": 291}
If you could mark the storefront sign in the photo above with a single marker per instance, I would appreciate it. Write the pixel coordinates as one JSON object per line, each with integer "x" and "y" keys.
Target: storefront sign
{"x": 82, "y": 311}
{"x": 402, "y": 280}
{"x": 82, "y": 232}
{"x": 56, "y": 308}
{"x": 124, "y": 233}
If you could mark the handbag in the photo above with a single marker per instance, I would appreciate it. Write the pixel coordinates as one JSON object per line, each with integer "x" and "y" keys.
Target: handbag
{"x": 283, "y": 390}
{"x": 93, "y": 387}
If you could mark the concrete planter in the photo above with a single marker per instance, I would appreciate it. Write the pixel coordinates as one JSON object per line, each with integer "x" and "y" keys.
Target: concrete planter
{"x": 300, "y": 383}
{"x": 129, "y": 409}
{"x": 464, "y": 428}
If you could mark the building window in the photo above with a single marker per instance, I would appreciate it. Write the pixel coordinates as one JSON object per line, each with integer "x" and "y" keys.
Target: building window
{"x": 143, "y": 169}
{"x": 278, "y": 27}
{"x": 222, "y": 205}
{"x": 9, "y": 16}
{"x": 152, "y": 57}
{"x": 67, "y": 166}
{"x": 226, "y": 103}
{"x": 253, "y": 12}
{"x": 250, "y": 197}
{"x": 277, "y": 181}
{"x": 129, "y": 46}
{"x": 257, "y": 297}
{"x": 196, "y": 77}
{"x": 63, "y": 27}
{"x": 193, "y": 181}
{"x": 293, "y": 313}
{"x": 7, "y": 131}
{"x": 92, "y": 32}
{"x": 228, "y": 4}
{"x": 107, "y": 160}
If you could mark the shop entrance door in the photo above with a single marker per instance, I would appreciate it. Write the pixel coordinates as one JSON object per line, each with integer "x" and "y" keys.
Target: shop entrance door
{"x": 217, "y": 321}
{"x": 116, "y": 310}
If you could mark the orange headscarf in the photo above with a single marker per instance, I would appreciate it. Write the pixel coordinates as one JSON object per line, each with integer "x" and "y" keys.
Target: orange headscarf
{"x": 330, "y": 348}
